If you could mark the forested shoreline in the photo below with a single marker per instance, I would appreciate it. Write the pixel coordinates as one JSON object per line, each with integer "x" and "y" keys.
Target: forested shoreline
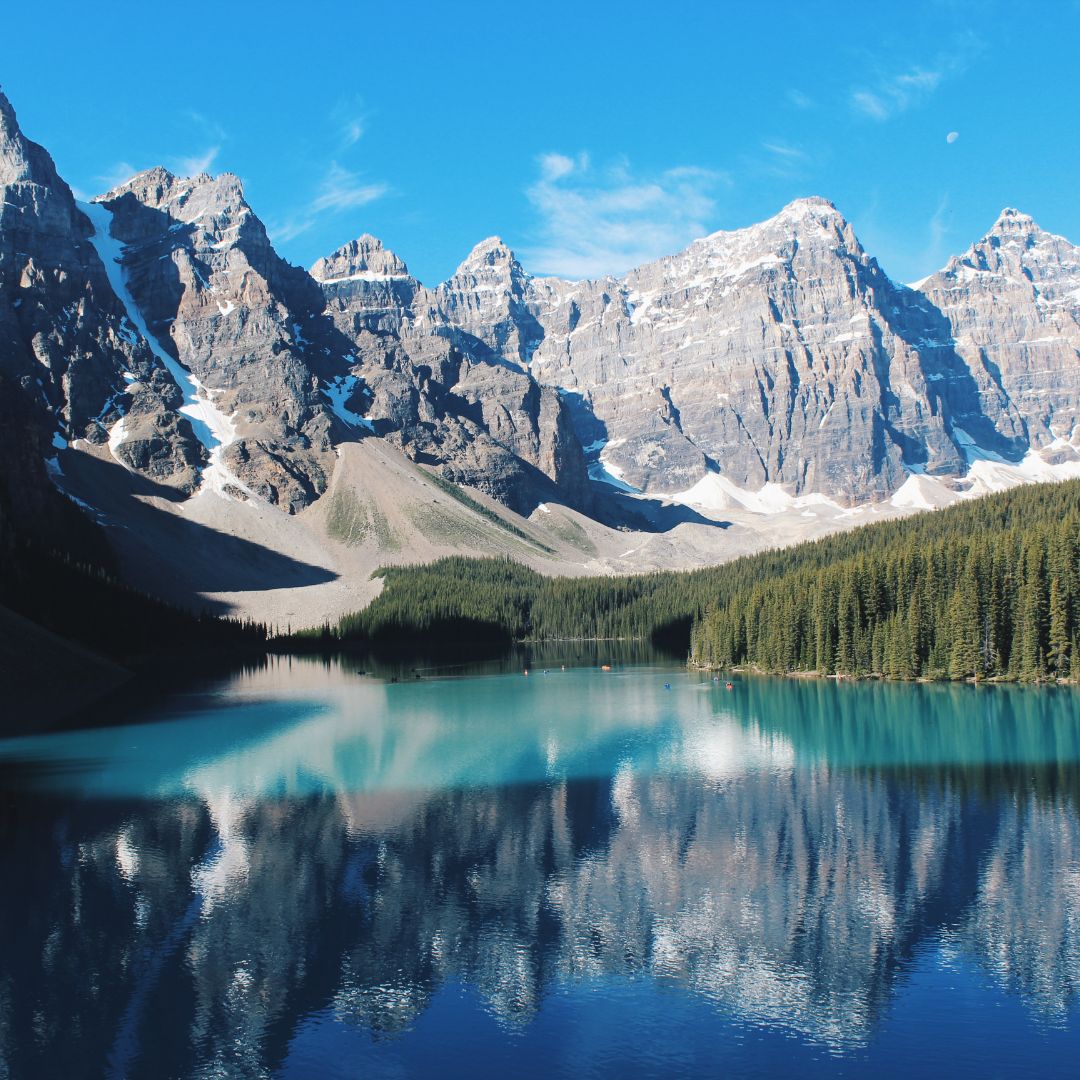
{"x": 989, "y": 589}
{"x": 997, "y": 596}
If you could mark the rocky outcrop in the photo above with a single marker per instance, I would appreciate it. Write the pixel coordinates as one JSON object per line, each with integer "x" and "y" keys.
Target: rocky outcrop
{"x": 242, "y": 321}
{"x": 783, "y": 354}
{"x": 487, "y": 305}
{"x": 1012, "y": 305}
{"x": 67, "y": 347}
{"x": 779, "y": 353}
{"x": 432, "y": 363}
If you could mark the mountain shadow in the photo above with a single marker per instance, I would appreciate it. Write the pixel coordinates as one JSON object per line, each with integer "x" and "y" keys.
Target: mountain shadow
{"x": 145, "y": 537}
{"x": 951, "y": 388}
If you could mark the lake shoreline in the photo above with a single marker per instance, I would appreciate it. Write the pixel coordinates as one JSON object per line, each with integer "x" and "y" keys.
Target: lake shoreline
{"x": 996, "y": 680}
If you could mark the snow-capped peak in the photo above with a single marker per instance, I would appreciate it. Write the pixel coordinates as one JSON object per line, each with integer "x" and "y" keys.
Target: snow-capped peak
{"x": 1012, "y": 220}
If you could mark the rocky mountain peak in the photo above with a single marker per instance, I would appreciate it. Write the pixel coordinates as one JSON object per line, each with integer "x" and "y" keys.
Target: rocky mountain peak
{"x": 810, "y": 206}
{"x": 148, "y": 184}
{"x": 13, "y": 162}
{"x": 362, "y": 259}
{"x": 23, "y": 161}
{"x": 1011, "y": 220}
{"x": 809, "y": 219}
{"x": 1013, "y": 304}
{"x": 810, "y": 230}
{"x": 817, "y": 219}
{"x": 1012, "y": 236}
{"x": 85, "y": 371}
{"x": 184, "y": 199}
{"x": 9, "y": 124}
{"x": 490, "y": 254}
{"x": 1017, "y": 249}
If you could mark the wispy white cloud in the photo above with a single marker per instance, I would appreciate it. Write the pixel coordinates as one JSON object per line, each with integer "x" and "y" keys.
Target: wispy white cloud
{"x": 784, "y": 150}
{"x": 555, "y": 166}
{"x": 781, "y": 159}
{"x": 869, "y": 104}
{"x": 800, "y": 100}
{"x": 593, "y": 222}
{"x": 211, "y": 133}
{"x": 338, "y": 190}
{"x": 212, "y": 129}
{"x": 290, "y": 228}
{"x": 907, "y": 250}
{"x": 352, "y": 131}
{"x": 115, "y": 175}
{"x": 343, "y": 190}
{"x": 348, "y": 119}
{"x": 196, "y": 163}
{"x": 938, "y": 229}
{"x": 897, "y": 91}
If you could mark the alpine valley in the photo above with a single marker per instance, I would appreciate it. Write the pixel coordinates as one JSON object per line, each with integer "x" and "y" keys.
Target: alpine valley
{"x": 252, "y": 438}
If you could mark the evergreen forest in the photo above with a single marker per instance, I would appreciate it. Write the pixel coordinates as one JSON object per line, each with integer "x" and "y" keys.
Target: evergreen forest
{"x": 983, "y": 590}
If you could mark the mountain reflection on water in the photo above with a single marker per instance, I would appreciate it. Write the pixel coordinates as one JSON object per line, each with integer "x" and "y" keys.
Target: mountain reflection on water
{"x": 189, "y": 896}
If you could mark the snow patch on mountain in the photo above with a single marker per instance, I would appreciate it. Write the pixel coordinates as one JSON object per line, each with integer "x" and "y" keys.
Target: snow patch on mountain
{"x": 607, "y": 473}
{"x": 363, "y": 275}
{"x": 117, "y": 434}
{"x": 339, "y": 392}
{"x": 921, "y": 492}
{"x": 716, "y": 492}
{"x": 987, "y": 474}
{"x": 212, "y": 427}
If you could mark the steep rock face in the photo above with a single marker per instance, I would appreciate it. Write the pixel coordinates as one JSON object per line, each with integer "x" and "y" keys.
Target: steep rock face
{"x": 66, "y": 344}
{"x": 1012, "y": 302}
{"x": 486, "y": 302}
{"x": 782, "y": 353}
{"x": 364, "y": 259}
{"x": 779, "y": 353}
{"x": 441, "y": 390}
{"x": 244, "y": 323}
{"x": 366, "y": 288}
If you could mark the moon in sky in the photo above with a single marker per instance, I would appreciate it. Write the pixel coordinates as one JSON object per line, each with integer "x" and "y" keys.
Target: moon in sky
{"x": 952, "y": 137}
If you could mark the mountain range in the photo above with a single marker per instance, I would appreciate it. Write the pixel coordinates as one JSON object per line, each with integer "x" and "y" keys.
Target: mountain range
{"x": 257, "y": 437}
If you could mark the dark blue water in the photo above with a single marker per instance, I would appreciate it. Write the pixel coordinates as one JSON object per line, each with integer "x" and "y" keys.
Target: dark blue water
{"x": 303, "y": 872}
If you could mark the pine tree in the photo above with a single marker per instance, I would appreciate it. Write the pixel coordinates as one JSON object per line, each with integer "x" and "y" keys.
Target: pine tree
{"x": 1058, "y": 637}
{"x": 965, "y": 656}
{"x": 1030, "y": 655}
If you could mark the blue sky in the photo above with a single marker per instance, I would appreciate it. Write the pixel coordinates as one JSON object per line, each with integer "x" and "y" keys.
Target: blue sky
{"x": 590, "y": 136}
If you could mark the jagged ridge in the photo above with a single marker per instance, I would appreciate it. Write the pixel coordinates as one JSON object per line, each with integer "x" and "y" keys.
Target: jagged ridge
{"x": 780, "y": 354}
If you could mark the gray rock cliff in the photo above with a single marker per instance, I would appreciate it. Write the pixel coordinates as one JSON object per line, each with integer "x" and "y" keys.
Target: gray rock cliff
{"x": 65, "y": 343}
{"x": 1012, "y": 304}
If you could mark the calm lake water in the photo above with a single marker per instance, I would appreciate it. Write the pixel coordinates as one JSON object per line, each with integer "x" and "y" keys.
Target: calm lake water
{"x": 300, "y": 871}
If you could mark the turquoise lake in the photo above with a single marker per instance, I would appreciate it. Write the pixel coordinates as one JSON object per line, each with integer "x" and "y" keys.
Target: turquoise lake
{"x": 302, "y": 871}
